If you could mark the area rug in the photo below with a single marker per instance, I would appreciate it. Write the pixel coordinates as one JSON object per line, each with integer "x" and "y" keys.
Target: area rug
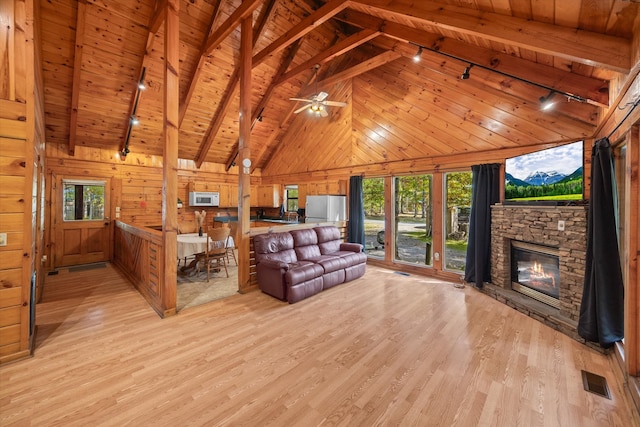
{"x": 193, "y": 288}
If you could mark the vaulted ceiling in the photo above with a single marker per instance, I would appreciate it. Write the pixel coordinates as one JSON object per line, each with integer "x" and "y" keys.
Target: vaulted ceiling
{"x": 96, "y": 51}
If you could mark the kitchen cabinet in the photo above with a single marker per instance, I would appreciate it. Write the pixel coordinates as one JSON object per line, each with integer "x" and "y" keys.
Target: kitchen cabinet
{"x": 269, "y": 196}
{"x": 228, "y": 196}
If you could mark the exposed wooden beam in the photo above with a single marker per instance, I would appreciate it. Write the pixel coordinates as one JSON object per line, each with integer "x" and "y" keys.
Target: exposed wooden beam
{"x": 266, "y": 97}
{"x": 196, "y": 74}
{"x": 361, "y": 68}
{"x": 586, "y": 47}
{"x": 326, "y": 12}
{"x": 589, "y": 88}
{"x": 243, "y": 11}
{"x": 227, "y": 97}
{"x": 170, "y": 154}
{"x": 244, "y": 181}
{"x": 77, "y": 68}
{"x": 332, "y": 52}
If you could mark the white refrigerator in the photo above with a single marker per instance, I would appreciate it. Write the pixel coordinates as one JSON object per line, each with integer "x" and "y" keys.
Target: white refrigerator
{"x": 325, "y": 208}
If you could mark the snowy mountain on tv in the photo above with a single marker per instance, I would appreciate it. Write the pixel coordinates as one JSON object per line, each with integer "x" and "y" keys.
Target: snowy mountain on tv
{"x": 544, "y": 178}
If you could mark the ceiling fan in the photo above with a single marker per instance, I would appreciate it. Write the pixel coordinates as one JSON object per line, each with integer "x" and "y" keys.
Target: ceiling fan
{"x": 317, "y": 103}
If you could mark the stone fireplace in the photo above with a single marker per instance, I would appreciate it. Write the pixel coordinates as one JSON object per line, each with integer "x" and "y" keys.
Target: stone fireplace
{"x": 538, "y": 260}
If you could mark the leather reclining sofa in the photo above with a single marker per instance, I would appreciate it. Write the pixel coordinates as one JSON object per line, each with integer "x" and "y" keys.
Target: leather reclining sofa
{"x": 297, "y": 264}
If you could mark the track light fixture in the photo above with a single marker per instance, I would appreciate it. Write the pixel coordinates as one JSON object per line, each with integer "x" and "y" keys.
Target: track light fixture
{"x": 466, "y": 72}
{"x": 465, "y": 76}
{"x": 134, "y": 121}
{"x": 546, "y": 102}
{"x": 418, "y": 56}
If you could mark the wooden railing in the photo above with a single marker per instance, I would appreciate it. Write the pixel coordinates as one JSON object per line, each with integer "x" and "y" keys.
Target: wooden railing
{"x": 139, "y": 255}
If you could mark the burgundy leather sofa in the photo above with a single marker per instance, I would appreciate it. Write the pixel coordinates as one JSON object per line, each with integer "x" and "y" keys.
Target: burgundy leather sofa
{"x": 297, "y": 264}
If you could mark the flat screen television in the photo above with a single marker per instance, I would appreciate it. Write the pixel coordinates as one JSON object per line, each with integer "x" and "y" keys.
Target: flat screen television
{"x": 552, "y": 175}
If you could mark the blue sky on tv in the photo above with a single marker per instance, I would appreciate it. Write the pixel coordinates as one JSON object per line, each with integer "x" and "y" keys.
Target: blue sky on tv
{"x": 564, "y": 159}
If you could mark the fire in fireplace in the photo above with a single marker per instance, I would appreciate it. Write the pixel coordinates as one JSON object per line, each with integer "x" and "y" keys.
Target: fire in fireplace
{"x": 535, "y": 272}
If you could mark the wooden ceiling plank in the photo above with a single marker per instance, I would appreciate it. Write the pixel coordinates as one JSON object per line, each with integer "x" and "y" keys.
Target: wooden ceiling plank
{"x": 577, "y": 45}
{"x": 283, "y": 122}
{"x": 218, "y": 117}
{"x": 595, "y": 90}
{"x": 337, "y": 49}
{"x": 77, "y": 68}
{"x": 221, "y": 111}
{"x": 257, "y": 111}
{"x": 158, "y": 17}
{"x": 323, "y": 14}
{"x": 244, "y": 10}
{"x": 196, "y": 74}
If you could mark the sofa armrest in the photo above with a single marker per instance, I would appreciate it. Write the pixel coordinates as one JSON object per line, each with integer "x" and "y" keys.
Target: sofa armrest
{"x": 275, "y": 265}
{"x": 353, "y": 247}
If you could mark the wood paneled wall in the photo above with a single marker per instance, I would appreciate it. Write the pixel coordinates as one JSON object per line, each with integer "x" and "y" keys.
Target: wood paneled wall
{"x": 21, "y": 180}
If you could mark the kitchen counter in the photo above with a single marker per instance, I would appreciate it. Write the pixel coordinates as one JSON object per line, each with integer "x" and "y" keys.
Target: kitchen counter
{"x": 253, "y": 220}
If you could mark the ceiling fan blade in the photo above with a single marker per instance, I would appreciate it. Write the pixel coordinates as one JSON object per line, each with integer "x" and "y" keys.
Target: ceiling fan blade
{"x": 324, "y": 113}
{"x": 304, "y": 107}
{"x": 335, "y": 103}
{"x": 321, "y": 96}
{"x": 301, "y": 99}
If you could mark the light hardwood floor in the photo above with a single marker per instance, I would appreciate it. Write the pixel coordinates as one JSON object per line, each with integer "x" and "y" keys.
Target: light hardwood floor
{"x": 383, "y": 350}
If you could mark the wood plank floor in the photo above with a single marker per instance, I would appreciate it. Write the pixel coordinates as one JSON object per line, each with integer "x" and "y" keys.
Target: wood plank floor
{"x": 383, "y": 350}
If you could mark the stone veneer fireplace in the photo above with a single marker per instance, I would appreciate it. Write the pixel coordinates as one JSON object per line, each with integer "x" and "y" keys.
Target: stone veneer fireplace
{"x": 535, "y": 228}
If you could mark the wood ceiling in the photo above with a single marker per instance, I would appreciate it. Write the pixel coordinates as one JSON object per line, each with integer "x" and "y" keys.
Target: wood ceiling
{"x": 95, "y": 51}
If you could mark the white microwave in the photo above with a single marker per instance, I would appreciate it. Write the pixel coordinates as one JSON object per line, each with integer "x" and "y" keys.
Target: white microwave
{"x": 204, "y": 198}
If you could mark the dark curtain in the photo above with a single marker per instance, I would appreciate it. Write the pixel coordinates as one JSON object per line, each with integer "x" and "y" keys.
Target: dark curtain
{"x": 485, "y": 188}
{"x": 356, "y": 211}
{"x": 601, "y": 311}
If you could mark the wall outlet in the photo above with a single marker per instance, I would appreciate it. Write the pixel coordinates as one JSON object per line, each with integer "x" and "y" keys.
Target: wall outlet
{"x": 560, "y": 225}
{"x": 436, "y": 256}
{"x": 3, "y": 239}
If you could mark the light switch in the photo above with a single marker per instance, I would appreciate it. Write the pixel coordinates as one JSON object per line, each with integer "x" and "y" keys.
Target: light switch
{"x": 3, "y": 239}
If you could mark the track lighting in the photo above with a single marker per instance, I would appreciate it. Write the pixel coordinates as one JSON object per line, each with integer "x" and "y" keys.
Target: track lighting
{"x": 466, "y": 72}
{"x": 135, "y": 121}
{"x": 141, "y": 85}
{"x": 124, "y": 152}
{"x": 418, "y": 56}
{"x": 546, "y": 102}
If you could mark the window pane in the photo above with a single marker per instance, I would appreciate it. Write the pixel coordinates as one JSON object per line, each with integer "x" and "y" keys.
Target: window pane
{"x": 373, "y": 195}
{"x": 83, "y": 202}
{"x": 413, "y": 219}
{"x": 292, "y": 198}
{"x": 458, "y": 196}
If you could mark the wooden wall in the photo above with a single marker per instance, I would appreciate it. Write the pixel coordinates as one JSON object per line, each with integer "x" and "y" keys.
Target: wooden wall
{"x": 21, "y": 177}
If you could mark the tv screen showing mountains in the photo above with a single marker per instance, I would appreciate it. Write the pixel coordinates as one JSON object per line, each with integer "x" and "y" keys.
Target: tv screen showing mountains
{"x": 552, "y": 174}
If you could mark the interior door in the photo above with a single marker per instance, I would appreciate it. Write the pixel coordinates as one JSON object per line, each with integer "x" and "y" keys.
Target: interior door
{"x": 81, "y": 222}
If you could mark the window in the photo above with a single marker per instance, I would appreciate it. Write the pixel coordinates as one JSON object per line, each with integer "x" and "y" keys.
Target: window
{"x": 292, "y": 198}
{"x": 373, "y": 195}
{"x": 456, "y": 226}
{"x": 413, "y": 228}
{"x": 83, "y": 200}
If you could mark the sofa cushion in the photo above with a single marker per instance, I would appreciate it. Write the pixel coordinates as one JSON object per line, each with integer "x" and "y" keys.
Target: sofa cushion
{"x": 275, "y": 247}
{"x": 330, "y": 263}
{"x": 328, "y": 239}
{"x": 301, "y": 272}
{"x": 351, "y": 258}
{"x": 305, "y": 243}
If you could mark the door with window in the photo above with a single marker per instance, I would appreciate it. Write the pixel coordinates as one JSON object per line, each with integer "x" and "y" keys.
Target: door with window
{"x": 81, "y": 223}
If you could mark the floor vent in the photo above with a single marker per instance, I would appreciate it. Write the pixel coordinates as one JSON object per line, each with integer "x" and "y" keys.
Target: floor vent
{"x": 595, "y": 384}
{"x": 402, "y": 273}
